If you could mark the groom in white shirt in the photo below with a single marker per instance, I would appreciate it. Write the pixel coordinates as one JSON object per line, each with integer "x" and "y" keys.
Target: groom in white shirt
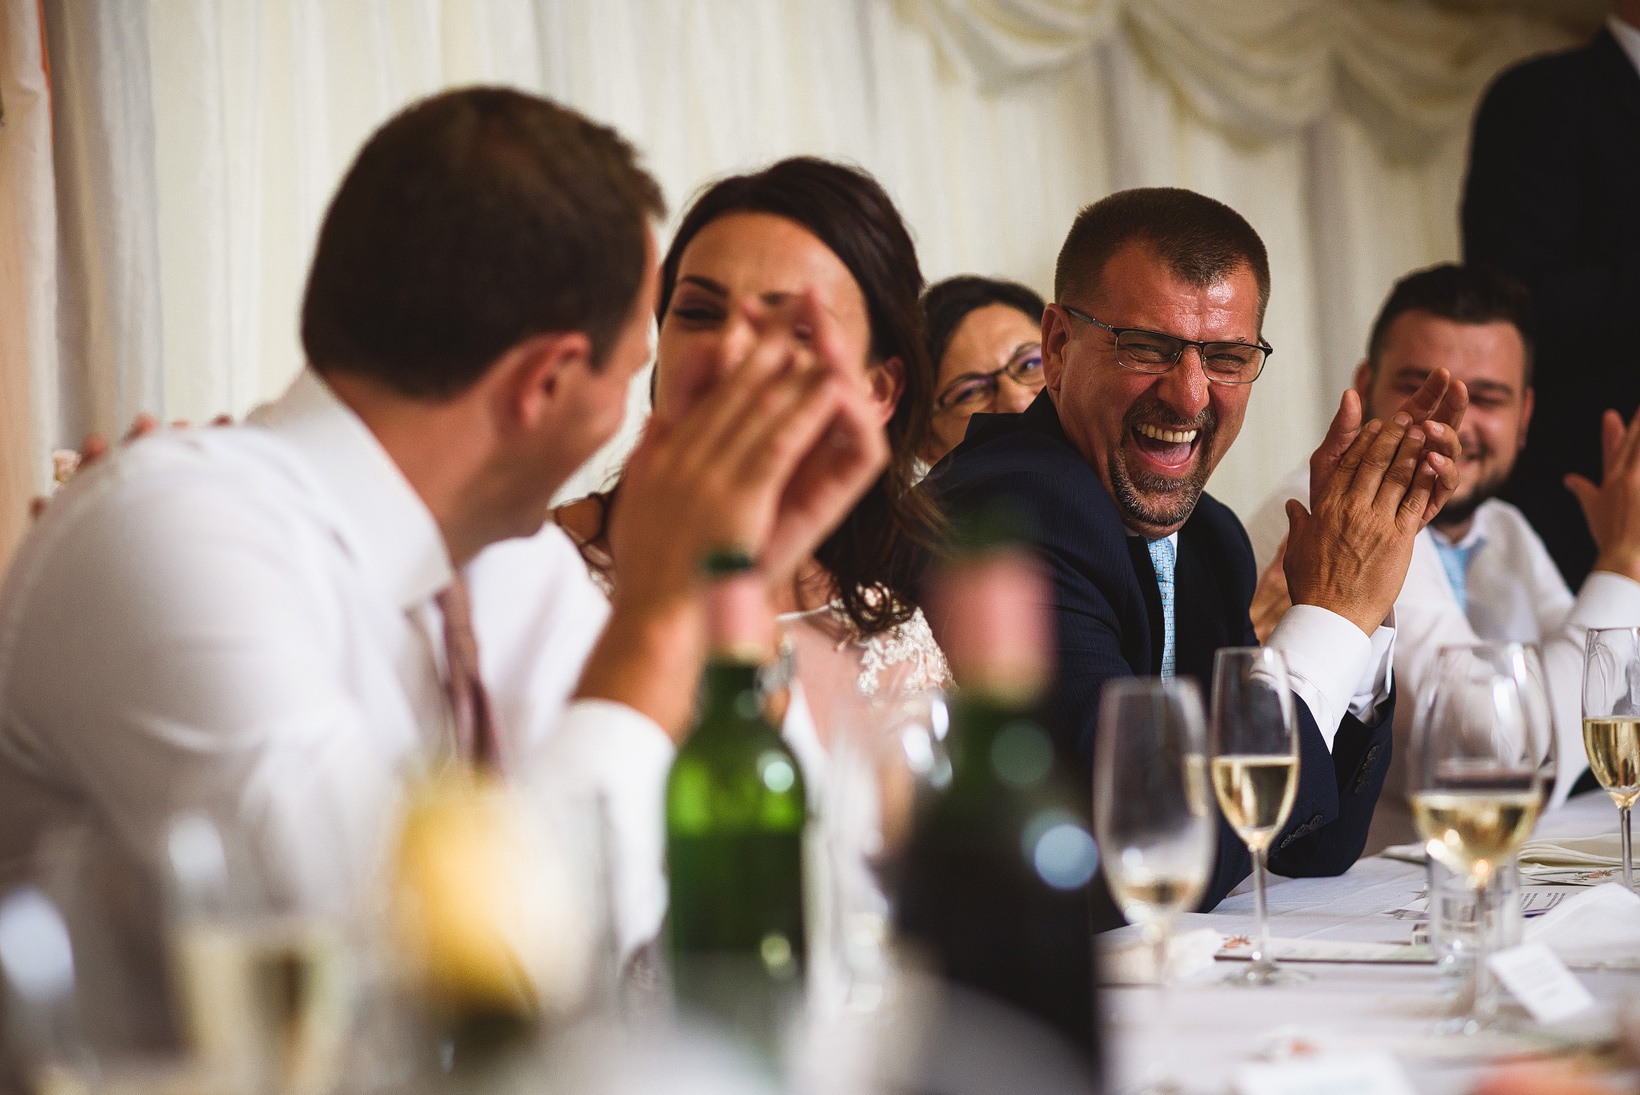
{"x": 1479, "y": 573}
{"x": 246, "y": 621}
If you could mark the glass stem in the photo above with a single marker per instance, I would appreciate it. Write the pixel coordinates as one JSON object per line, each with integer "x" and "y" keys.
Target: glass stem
{"x": 1628, "y": 855}
{"x": 1261, "y": 947}
{"x": 1160, "y": 1071}
{"x": 1480, "y": 1002}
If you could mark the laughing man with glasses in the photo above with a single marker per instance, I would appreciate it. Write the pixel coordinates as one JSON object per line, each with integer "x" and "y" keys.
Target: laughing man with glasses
{"x": 1149, "y": 358}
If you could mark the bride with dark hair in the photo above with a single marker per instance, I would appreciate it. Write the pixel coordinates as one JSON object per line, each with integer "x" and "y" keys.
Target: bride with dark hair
{"x": 805, "y": 240}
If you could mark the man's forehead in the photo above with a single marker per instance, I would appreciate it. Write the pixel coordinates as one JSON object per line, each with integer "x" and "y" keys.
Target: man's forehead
{"x": 1138, "y": 281}
{"x": 1491, "y": 353}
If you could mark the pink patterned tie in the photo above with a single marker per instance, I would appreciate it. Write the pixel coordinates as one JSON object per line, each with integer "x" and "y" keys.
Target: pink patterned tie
{"x": 476, "y": 736}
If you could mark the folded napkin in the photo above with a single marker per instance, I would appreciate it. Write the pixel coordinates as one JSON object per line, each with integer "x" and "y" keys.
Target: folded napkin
{"x": 1128, "y": 960}
{"x": 1597, "y": 927}
{"x": 1601, "y": 850}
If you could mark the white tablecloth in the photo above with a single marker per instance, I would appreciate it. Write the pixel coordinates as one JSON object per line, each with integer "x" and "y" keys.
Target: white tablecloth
{"x": 1211, "y": 1028}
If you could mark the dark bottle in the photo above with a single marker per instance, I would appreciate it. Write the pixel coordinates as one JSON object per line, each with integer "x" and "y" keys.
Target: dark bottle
{"x": 996, "y": 885}
{"x": 735, "y": 813}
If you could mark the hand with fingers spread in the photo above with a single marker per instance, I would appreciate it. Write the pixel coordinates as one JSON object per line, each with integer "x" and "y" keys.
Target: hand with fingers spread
{"x": 1349, "y": 552}
{"x": 770, "y": 460}
{"x": 1437, "y": 408}
{"x": 1613, "y": 507}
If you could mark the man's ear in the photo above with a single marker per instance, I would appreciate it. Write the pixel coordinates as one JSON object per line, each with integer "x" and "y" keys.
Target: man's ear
{"x": 1362, "y": 382}
{"x": 1527, "y": 402}
{"x": 538, "y": 374}
{"x": 887, "y": 385}
{"x": 1056, "y": 332}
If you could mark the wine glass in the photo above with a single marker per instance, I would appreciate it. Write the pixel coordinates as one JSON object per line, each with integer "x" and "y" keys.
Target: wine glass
{"x": 1254, "y": 744}
{"x": 1150, "y": 809}
{"x": 1454, "y": 918}
{"x": 1478, "y": 778}
{"x": 887, "y": 760}
{"x": 1611, "y": 721}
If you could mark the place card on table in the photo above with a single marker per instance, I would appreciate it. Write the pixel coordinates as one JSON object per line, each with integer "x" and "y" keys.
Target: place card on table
{"x": 1326, "y": 1074}
{"x": 1541, "y": 982}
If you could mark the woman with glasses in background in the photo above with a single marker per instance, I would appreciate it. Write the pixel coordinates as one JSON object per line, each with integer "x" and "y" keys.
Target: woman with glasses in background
{"x": 985, "y": 340}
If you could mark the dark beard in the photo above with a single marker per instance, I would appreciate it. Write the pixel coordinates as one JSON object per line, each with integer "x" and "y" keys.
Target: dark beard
{"x": 1178, "y": 496}
{"x": 1459, "y": 511}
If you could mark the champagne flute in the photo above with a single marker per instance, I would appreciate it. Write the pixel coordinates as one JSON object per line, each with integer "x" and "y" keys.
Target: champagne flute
{"x": 1478, "y": 779}
{"x": 1254, "y": 744}
{"x": 1150, "y": 810}
{"x": 1611, "y": 721}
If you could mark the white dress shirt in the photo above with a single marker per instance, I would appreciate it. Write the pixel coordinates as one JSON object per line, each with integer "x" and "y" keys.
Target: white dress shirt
{"x": 239, "y": 621}
{"x": 1514, "y": 594}
{"x": 1334, "y": 669}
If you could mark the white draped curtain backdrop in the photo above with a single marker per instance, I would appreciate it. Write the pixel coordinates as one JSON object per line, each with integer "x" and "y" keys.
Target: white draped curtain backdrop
{"x": 164, "y": 195}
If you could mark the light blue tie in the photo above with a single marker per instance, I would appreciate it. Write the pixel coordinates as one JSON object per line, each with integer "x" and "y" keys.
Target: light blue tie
{"x": 1162, "y": 555}
{"x": 1455, "y": 561}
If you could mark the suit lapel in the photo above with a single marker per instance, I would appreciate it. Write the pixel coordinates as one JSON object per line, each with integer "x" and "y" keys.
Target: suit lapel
{"x": 1201, "y": 615}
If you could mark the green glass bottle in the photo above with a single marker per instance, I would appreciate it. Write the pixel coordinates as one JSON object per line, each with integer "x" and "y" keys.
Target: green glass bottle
{"x": 736, "y": 808}
{"x": 996, "y": 887}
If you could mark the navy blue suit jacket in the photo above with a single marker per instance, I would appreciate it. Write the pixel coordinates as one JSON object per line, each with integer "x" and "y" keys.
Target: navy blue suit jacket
{"x": 1107, "y": 613}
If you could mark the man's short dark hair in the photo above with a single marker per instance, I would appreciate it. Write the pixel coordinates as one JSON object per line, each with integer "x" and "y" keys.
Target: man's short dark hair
{"x": 1201, "y": 240}
{"x": 947, "y": 303}
{"x": 469, "y": 222}
{"x": 1474, "y": 293}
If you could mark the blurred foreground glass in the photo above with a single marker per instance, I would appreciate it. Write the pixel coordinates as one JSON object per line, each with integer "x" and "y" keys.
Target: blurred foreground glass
{"x": 1611, "y": 722}
{"x": 1151, "y": 814}
{"x": 266, "y": 999}
{"x": 1254, "y": 742}
{"x": 43, "y": 1035}
{"x": 1481, "y": 766}
{"x": 887, "y": 762}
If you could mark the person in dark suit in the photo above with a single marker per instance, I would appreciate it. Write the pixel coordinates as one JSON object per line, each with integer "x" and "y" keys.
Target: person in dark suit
{"x": 1150, "y": 350}
{"x": 1550, "y": 198}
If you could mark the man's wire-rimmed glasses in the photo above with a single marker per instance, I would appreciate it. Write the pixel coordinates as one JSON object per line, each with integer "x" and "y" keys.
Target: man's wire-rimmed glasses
{"x": 1154, "y": 352}
{"x": 974, "y": 390}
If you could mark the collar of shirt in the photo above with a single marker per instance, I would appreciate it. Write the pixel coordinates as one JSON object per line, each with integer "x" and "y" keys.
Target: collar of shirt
{"x": 1475, "y": 538}
{"x": 1628, "y": 37}
{"x": 1172, "y": 537}
{"x": 380, "y": 515}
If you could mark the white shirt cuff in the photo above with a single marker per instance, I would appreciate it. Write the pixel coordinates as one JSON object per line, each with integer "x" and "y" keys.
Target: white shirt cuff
{"x": 1606, "y": 600}
{"x": 607, "y": 752}
{"x": 1334, "y": 667}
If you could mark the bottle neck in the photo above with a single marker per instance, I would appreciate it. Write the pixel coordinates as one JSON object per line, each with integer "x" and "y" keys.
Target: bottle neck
{"x": 729, "y": 696}
{"x": 993, "y": 613}
{"x": 739, "y": 625}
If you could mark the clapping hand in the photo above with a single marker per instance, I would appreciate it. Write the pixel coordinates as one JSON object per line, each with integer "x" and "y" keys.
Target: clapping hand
{"x": 1437, "y": 408}
{"x": 1349, "y": 551}
{"x": 1612, "y": 509}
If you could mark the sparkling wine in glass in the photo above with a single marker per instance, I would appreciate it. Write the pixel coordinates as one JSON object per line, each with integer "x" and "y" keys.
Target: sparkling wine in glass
{"x": 1611, "y": 721}
{"x": 1254, "y": 744}
{"x": 1478, "y": 777}
{"x": 1152, "y": 816}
